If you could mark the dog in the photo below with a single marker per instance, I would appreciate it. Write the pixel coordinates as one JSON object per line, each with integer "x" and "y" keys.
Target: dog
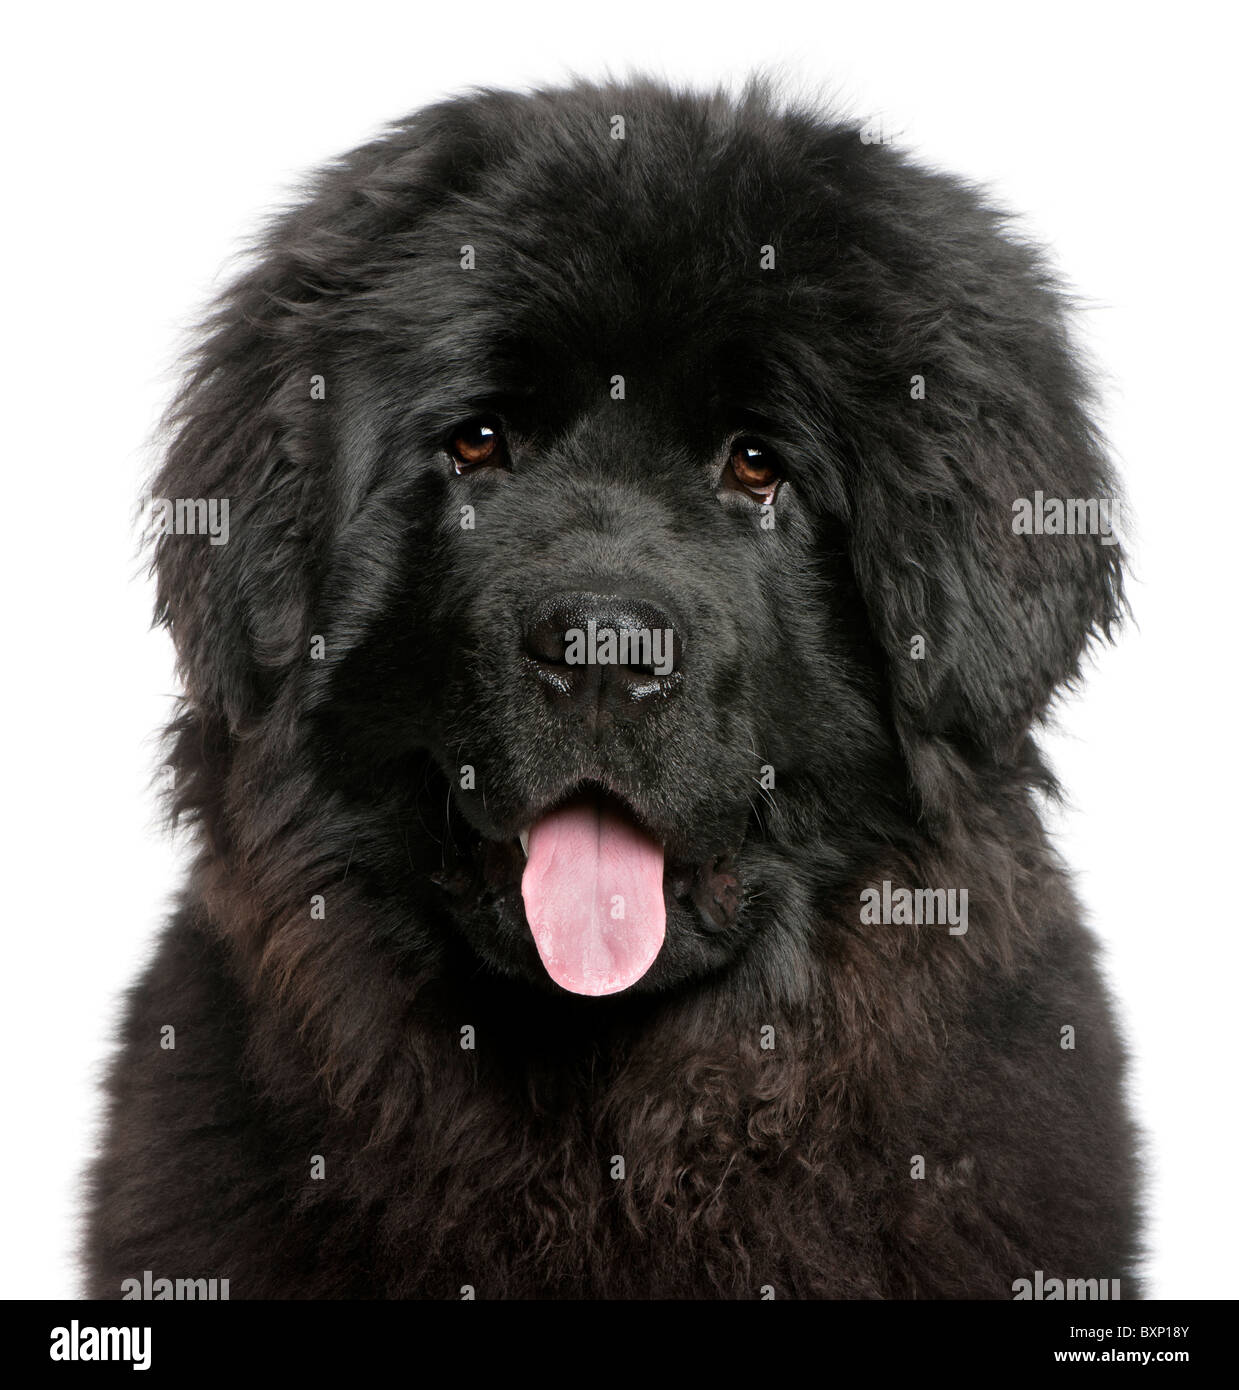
{"x": 620, "y": 546}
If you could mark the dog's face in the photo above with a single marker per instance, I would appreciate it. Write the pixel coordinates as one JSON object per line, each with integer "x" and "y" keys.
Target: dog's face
{"x": 620, "y": 514}
{"x": 610, "y": 461}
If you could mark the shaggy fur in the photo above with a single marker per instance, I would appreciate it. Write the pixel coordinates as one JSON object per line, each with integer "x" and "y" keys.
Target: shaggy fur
{"x": 771, "y": 1081}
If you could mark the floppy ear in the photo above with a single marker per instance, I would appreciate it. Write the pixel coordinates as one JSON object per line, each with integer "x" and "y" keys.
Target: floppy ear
{"x": 234, "y": 601}
{"x": 940, "y": 496}
{"x": 249, "y": 429}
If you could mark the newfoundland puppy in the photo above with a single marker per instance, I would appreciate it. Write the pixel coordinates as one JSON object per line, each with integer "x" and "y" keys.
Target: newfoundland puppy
{"x": 620, "y": 545}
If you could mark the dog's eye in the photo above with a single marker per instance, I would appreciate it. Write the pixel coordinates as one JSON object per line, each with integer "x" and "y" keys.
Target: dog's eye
{"x": 478, "y": 443}
{"x": 753, "y": 468}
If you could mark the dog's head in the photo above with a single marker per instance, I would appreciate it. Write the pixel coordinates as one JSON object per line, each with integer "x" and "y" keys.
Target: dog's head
{"x": 633, "y": 513}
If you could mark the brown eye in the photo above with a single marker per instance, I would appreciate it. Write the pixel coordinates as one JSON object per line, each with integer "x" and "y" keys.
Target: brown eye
{"x": 477, "y": 443}
{"x": 753, "y": 468}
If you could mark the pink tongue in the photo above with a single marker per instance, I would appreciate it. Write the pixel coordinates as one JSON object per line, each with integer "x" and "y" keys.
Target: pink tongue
{"x": 593, "y": 890}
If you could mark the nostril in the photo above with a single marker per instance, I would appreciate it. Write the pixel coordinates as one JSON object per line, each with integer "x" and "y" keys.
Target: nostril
{"x": 546, "y": 640}
{"x": 586, "y": 640}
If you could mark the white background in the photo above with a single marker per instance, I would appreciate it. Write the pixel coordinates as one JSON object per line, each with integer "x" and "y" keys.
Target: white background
{"x": 144, "y": 142}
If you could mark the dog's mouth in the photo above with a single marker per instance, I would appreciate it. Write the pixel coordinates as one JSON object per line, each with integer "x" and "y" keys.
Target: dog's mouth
{"x": 596, "y": 883}
{"x": 593, "y": 893}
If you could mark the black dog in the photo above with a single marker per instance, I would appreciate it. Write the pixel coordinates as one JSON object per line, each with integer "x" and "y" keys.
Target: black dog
{"x": 655, "y": 525}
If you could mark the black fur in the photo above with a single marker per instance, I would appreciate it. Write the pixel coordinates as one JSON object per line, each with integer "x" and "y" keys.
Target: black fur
{"x": 745, "y": 1166}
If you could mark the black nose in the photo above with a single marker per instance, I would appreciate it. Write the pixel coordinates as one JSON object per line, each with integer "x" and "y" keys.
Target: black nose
{"x": 612, "y": 649}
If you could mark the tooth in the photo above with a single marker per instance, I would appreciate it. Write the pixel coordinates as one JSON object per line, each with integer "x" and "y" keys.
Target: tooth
{"x": 525, "y": 841}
